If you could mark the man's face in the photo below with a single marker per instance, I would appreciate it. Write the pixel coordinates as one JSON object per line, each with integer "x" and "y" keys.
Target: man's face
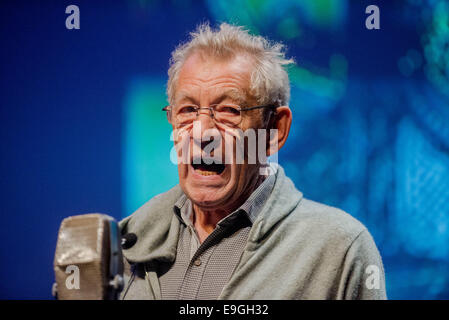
{"x": 203, "y": 82}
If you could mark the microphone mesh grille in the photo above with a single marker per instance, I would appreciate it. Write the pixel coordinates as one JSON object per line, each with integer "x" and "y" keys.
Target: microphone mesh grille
{"x": 83, "y": 242}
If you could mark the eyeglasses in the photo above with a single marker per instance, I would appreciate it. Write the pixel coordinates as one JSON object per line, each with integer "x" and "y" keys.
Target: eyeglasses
{"x": 228, "y": 114}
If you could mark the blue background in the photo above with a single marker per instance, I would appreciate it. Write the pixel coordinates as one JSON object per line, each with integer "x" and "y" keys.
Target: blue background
{"x": 81, "y": 128}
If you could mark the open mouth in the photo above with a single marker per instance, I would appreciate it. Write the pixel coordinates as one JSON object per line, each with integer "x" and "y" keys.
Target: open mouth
{"x": 208, "y": 169}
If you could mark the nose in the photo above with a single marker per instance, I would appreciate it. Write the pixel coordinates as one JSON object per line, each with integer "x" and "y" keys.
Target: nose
{"x": 207, "y": 123}
{"x": 206, "y": 118}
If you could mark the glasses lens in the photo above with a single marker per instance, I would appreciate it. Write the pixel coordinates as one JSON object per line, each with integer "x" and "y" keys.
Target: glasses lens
{"x": 227, "y": 114}
{"x": 185, "y": 114}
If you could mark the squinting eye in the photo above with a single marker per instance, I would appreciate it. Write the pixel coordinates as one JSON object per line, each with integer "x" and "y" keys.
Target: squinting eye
{"x": 231, "y": 110}
{"x": 187, "y": 110}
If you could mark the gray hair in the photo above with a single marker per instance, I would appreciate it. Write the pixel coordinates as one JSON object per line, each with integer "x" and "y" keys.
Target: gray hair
{"x": 269, "y": 80}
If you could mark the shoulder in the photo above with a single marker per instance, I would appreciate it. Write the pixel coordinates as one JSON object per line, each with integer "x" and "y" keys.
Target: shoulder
{"x": 155, "y": 227}
{"x": 327, "y": 223}
{"x": 154, "y": 210}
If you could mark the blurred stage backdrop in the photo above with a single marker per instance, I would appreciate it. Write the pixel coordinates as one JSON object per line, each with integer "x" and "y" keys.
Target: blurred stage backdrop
{"x": 81, "y": 127}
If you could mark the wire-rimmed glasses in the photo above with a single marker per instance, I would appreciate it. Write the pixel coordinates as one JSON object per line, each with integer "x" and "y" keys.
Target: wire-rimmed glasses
{"x": 225, "y": 113}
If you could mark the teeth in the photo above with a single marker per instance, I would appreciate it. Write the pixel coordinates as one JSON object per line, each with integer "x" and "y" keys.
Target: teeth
{"x": 205, "y": 173}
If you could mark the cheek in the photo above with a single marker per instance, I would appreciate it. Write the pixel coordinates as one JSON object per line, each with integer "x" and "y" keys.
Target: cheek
{"x": 182, "y": 172}
{"x": 183, "y": 147}
{"x": 229, "y": 148}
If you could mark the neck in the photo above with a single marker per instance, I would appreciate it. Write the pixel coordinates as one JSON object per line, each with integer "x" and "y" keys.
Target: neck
{"x": 205, "y": 219}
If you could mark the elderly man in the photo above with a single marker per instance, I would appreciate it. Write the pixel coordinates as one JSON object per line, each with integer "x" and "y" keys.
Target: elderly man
{"x": 231, "y": 230}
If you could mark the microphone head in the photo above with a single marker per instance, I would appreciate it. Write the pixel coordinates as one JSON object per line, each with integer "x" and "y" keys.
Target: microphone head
{"x": 88, "y": 261}
{"x": 128, "y": 240}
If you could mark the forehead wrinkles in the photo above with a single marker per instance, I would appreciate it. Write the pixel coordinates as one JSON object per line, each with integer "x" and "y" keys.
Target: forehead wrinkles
{"x": 195, "y": 89}
{"x": 212, "y": 77}
{"x": 222, "y": 92}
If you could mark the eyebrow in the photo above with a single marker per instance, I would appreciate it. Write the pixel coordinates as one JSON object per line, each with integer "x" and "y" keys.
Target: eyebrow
{"x": 235, "y": 95}
{"x": 185, "y": 96}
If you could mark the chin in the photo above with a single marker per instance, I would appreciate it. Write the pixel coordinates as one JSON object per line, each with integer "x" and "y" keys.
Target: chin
{"x": 206, "y": 199}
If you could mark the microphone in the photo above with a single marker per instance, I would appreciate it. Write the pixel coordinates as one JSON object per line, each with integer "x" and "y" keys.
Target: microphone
{"x": 88, "y": 261}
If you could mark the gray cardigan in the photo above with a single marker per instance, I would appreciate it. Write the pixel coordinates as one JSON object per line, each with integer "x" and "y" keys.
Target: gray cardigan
{"x": 296, "y": 249}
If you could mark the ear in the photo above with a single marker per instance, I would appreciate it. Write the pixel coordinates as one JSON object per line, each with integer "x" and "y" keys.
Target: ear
{"x": 282, "y": 121}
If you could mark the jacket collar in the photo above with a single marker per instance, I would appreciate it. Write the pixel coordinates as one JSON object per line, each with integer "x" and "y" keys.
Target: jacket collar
{"x": 156, "y": 228}
{"x": 284, "y": 198}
